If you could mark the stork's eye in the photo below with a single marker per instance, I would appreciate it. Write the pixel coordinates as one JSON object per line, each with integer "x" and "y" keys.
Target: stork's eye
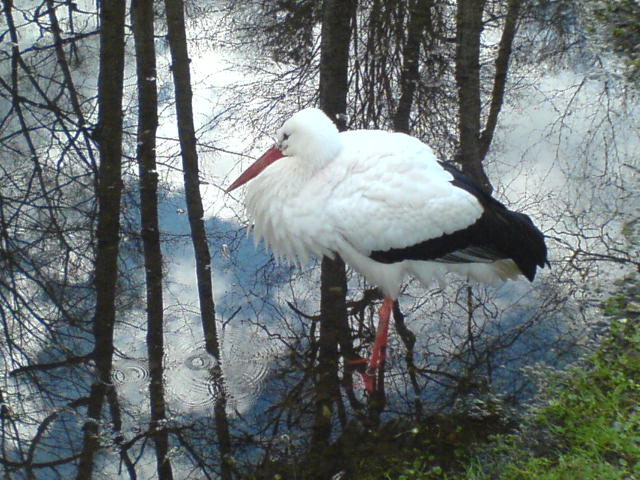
{"x": 285, "y": 136}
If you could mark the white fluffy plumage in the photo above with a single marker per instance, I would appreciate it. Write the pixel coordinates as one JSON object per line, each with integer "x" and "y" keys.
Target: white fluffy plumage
{"x": 361, "y": 191}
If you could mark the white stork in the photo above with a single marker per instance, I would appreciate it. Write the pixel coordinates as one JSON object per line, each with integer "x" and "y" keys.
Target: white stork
{"x": 387, "y": 206}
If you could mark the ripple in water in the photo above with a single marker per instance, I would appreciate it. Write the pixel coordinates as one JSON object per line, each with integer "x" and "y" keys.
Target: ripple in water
{"x": 246, "y": 363}
{"x": 189, "y": 383}
{"x": 129, "y": 372}
{"x": 131, "y": 379}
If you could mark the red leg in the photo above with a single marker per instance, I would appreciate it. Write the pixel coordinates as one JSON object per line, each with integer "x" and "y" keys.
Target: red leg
{"x": 380, "y": 346}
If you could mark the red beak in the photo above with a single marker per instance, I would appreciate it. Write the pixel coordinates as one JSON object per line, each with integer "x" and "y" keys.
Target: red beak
{"x": 258, "y": 166}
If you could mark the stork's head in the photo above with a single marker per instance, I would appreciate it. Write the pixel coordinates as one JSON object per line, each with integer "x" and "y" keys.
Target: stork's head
{"x": 309, "y": 136}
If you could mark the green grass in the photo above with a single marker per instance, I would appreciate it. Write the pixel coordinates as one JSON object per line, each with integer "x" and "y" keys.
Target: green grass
{"x": 590, "y": 427}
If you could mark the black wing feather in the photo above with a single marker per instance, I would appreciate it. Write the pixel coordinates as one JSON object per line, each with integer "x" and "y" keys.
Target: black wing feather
{"x": 498, "y": 234}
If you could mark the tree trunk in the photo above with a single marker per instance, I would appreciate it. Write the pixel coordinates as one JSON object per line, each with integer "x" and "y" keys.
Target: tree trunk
{"x": 419, "y": 19}
{"x": 109, "y": 191}
{"x": 500, "y": 76}
{"x": 474, "y": 144}
{"x": 334, "y": 62}
{"x": 469, "y": 29}
{"x": 182, "y": 81}
{"x": 143, "y": 32}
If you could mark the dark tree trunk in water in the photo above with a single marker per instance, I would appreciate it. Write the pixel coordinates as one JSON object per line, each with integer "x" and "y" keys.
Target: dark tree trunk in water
{"x": 475, "y": 142}
{"x": 334, "y": 60}
{"x": 109, "y": 192}
{"x": 182, "y": 81}
{"x": 143, "y": 32}
{"x": 419, "y": 19}
{"x": 500, "y": 76}
{"x": 469, "y": 26}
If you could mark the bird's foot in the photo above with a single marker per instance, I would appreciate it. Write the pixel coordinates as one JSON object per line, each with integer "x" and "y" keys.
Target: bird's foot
{"x": 368, "y": 372}
{"x": 369, "y": 369}
{"x": 360, "y": 365}
{"x": 370, "y": 380}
